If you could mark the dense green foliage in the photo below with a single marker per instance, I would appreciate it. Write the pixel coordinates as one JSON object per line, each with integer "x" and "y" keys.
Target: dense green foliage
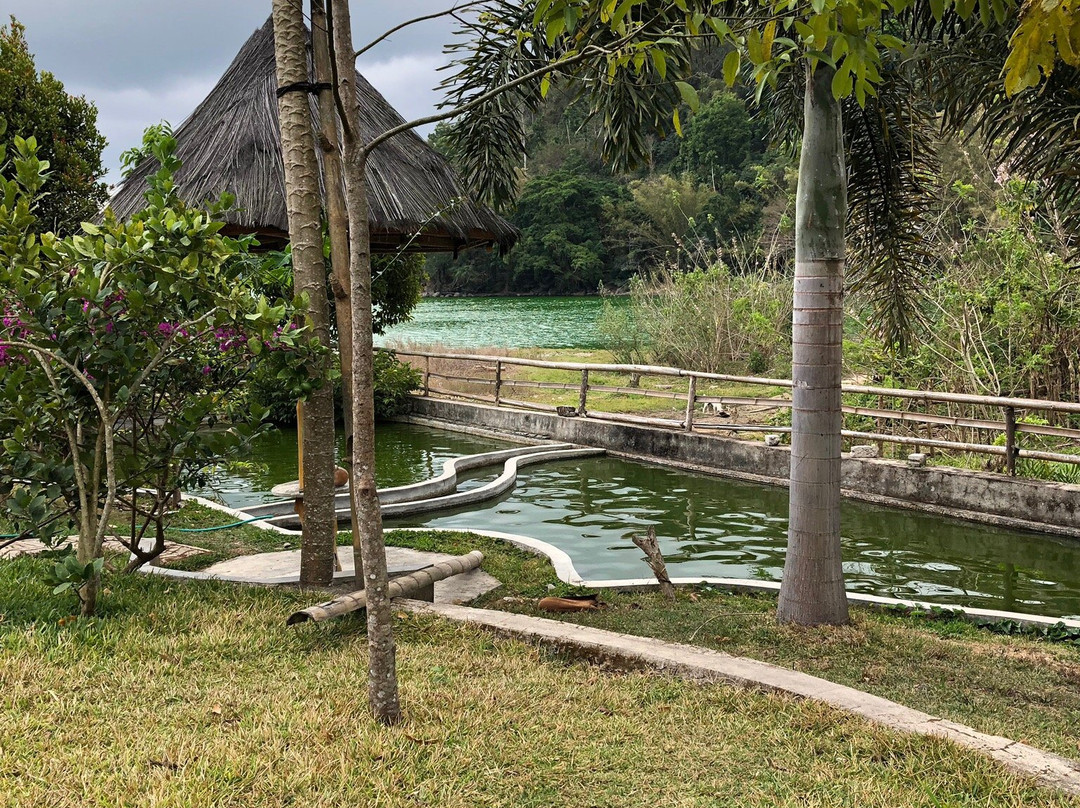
{"x": 567, "y": 222}
{"x": 583, "y": 227}
{"x": 1001, "y": 316}
{"x": 396, "y": 285}
{"x": 65, "y": 126}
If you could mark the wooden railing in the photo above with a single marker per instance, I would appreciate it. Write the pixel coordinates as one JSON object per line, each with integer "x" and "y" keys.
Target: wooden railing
{"x": 1012, "y": 427}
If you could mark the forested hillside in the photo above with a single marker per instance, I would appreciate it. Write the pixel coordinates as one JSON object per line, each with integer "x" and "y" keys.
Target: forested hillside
{"x": 584, "y": 228}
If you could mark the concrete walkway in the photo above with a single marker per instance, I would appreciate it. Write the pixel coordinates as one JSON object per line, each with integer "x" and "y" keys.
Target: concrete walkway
{"x": 624, "y": 651}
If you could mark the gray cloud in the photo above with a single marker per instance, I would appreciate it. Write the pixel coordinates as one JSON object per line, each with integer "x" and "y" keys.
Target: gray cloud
{"x": 141, "y": 61}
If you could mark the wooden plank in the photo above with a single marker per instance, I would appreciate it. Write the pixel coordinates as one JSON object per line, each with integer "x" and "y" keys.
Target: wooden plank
{"x": 730, "y": 427}
{"x": 743, "y": 401}
{"x": 970, "y": 423}
{"x": 466, "y": 379}
{"x": 637, "y": 391}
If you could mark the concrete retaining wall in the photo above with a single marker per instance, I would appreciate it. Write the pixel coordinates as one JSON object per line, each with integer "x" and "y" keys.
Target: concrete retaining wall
{"x": 979, "y": 496}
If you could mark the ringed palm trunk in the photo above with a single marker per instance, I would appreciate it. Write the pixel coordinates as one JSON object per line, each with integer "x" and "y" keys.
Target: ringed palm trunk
{"x": 368, "y": 547}
{"x": 319, "y": 543}
{"x": 812, "y": 590}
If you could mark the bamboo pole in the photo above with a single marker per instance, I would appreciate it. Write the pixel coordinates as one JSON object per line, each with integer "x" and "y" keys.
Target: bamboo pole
{"x": 396, "y": 588}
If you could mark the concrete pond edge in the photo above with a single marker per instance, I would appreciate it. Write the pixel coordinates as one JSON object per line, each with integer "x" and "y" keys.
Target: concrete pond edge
{"x": 628, "y": 652}
{"x": 566, "y": 572}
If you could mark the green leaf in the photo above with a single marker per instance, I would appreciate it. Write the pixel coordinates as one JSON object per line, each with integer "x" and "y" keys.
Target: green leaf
{"x": 659, "y": 62}
{"x": 689, "y": 97}
{"x": 841, "y": 83}
{"x": 731, "y": 67}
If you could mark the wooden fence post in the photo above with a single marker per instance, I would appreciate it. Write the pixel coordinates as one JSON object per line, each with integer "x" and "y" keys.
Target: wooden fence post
{"x": 498, "y": 382}
{"x": 583, "y": 393}
{"x": 1010, "y": 441}
{"x": 427, "y": 375}
{"x": 691, "y": 400}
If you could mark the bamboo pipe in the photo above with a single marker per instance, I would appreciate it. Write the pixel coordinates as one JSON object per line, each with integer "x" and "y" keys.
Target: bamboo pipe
{"x": 396, "y": 588}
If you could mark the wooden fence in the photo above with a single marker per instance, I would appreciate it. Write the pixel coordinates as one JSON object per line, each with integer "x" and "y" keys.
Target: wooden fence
{"x": 918, "y": 409}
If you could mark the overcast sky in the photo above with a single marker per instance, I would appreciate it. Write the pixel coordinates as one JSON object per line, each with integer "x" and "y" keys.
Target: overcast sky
{"x": 141, "y": 61}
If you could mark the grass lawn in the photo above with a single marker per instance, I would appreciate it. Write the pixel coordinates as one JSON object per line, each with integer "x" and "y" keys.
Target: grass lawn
{"x": 196, "y": 694}
{"x": 1022, "y": 688}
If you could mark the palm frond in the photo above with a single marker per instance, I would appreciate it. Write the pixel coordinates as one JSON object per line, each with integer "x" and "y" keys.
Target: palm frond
{"x": 889, "y": 145}
{"x": 1034, "y": 135}
{"x": 892, "y": 171}
{"x": 628, "y": 97}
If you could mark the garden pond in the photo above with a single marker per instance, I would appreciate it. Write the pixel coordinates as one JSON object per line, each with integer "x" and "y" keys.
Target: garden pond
{"x": 707, "y": 526}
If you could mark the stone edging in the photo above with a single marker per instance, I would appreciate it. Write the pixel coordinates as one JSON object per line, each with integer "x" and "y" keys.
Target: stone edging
{"x": 567, "y": 573}
{"x": 703, "y": 665}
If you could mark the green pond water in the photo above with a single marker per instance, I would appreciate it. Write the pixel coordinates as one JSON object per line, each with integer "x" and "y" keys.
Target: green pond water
{"x": 708, "y": 526}
{"x": 504, "y": 322}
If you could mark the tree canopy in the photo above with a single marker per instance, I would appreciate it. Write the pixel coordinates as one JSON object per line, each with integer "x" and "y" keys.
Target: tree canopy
{"x": 36, "y": 104}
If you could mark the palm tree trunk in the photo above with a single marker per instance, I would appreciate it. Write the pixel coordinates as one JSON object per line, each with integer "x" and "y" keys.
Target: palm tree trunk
{"x": 812, "y": 591}
{"x": 368, "y": 545}
{"x": 337, "y": 217}
{"x": 318, "y": 547}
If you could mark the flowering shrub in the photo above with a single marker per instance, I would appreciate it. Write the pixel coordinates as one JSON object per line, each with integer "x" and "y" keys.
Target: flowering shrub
{"x": 121, "y": 350}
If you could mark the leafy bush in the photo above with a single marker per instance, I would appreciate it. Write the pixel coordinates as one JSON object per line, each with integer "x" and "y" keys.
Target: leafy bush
{"x": 1002, "y": 317}
{"x": 120, "y": 352}
{"x": 394, "y": 380}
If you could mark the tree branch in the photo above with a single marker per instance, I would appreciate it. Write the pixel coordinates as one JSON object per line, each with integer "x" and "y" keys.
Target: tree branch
{"x": 575, "y": 58}
{"x": 447, "y": 13}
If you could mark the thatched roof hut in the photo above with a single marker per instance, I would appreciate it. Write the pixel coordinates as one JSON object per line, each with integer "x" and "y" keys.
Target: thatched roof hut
{"x": 232, "y": 142}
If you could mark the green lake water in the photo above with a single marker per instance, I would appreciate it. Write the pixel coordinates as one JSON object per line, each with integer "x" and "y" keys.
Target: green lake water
{"x": 709, "y": 525}
{"x": 504, "y": 322}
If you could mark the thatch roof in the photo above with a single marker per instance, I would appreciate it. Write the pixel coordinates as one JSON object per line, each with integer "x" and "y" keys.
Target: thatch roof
{"x": 232, "y": 142}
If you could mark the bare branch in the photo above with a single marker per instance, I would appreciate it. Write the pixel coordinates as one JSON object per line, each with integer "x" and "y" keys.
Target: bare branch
{"x": 450, "y": 12}
{"x": 551, "y": 67}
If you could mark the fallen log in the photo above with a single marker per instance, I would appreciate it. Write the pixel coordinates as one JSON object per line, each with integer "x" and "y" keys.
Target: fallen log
{"x": 397, "y": 588}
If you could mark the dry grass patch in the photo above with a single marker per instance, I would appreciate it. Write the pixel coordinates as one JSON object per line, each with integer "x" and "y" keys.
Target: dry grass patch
{"x": 192, "y": 694}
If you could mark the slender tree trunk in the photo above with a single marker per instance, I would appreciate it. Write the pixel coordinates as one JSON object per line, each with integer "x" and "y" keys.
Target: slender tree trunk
{"x": 337, "y": 216}
{"x": 812, "y": 591}
{"x": 368, "y": 540}
{"x": 89, "y": 547}
{"x": 318, "y": 547}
